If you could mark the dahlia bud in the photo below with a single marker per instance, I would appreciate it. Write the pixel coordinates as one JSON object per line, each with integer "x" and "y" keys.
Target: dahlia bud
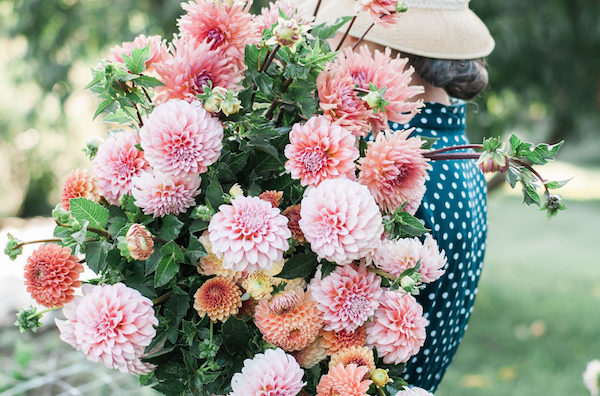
{"x": 203, "y": 212}
{"x": 401, "y": 7}
{"x": 231, "y": 106}
{"x": 139, "y": 242}
{"x": 214, "y": 101}
{"x": 493, "y": 162}
{"x": 380, "y": 377}
{"x": 553, "y": 202}
{"x": 375, "y": 99}
{"x": 91, "y": 147}
{"x": 287, "y": 32}
{"x": 60, "y": 215}
{"x": 407, "y": 283}
{"x": 258, "y": 285}
{"x": 236, "y": 191}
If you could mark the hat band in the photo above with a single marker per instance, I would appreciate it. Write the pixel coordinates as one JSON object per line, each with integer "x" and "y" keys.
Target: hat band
{"x": 438, "y": 4}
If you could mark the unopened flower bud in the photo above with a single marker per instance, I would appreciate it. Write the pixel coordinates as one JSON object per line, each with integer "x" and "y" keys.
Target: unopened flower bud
{"x": 213, "y": 103}
{"x": 553, "y": 202}
{"x": 494, "y": 162}
{"x": 380, "y": 377}
{"x": 203, "y": 212}
{"x": 407, "y": 283}
{"x": 60, "y": 215}
{"x": 91, "y": 147}
{"x": 374, "y": 99}
{"x": 287, "y": 32}
{"x": 236, "y": 191}
{"x": 139, "y": 242}
{"x": 401, "y": 7}
{"x": 231, "y": 106}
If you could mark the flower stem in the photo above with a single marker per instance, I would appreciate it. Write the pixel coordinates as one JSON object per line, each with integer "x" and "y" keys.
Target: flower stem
{"x": 147, "y": 96}
{"x": 42, "y": 312}
{"x": 530, "y": 168}
{"x": 452, "y": 156}
{"x": 20, "y": 245}
{"x": 453, "y": 148}
{"x": 162, "y": 298}
{"x": 362, "y": 37}
{"x": 382, "y": 273}
{"x": 339, "y": 46}
{"x": 317, "y": 8}
{"x": 381, "y": 391}
{"x": 210, "y": 340}
{"x": 270, "y": 58}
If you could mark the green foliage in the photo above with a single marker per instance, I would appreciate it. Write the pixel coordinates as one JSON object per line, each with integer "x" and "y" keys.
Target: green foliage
{"x": 83, "y": 209}
{"x": 402, "y": 224}
{"x": 12, "y": 248}
{"x": 29, "y": 319}
{"x": 172, "y": 257}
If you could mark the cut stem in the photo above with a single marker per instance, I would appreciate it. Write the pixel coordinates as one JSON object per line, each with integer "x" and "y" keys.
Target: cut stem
{"x": 162, "y": 298}
{"x": 339, "y": 46}
{"x": 42, "y": 312}
{"x": 453, "y": 148}
{"x": 270, "y": 58}
{"x": 362, "y": 37}
{"x": 453, "y": 156}
{"x": 317, "y": 8}
{"x": 535, "y": 173}
{"x": 20, "y": 245}
{"x": 382, "y": 273}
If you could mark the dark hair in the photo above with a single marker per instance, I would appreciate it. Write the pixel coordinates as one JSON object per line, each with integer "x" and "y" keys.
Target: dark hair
{"x": 462, "y": 79}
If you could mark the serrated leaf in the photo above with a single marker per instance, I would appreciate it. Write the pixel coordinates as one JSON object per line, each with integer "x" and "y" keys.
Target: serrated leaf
{"x": 530, "y": 195}
{"x": 102, "y": 107}
{"x": 512, "y": 176}
{"x": 553, "y": 185}
{"x": 327, "y": 268}
{"x": 299, "y": 266}
{"x": 148, "y": 82}
{"x": 84, "y": 209}
{"x": 136, "y": 63}
{"x": 195, "y": 250}
{"x": 407, "y": 225}
{"x": 168, "y": 266}
{"x": 325, "y": 31}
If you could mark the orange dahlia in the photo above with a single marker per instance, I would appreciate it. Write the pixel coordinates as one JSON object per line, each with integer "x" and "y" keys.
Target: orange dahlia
{"x": 272, "y": 197}
{"x": 333, "y": 341}
{"x": 219, "y": 298}
{"x": 79, "y": 184}
{"x": 52, "y": 274}
{"x": 312, "y": 355}
{"x": 344, "y": 380}
{"x": 293, "y": 215}
{"x": 361, "y": 356}
{"x": 289, "y": 320}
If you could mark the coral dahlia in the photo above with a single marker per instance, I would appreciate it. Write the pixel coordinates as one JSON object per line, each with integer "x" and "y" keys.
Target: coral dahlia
{"x": 361, "y": 356}
{"x": 79, "y": 184}
{"x": 347, "y": 297}
{"x": 394, "y": 170}
{"x": 181, "y": 138}
{"x": 344, "y": 380}
{"x": 161, "y": 195}
{"x": 117, "y": 162}
{"x": 383, "y": 12}
{"x": 271, "y": 373}
{"x": 272, "y": 197}
{"x": 249, "y": 235}
{"x": 290, "y": 320}
{"x": 192, "y": 66}
{"x": 413, "y": 392}
{"x": 319, "y": 150}
{"x": 341, "y": 220}
{"x": 219, "y": 298}
{"x": 52, "y": 274}
{"x": 111, "y": 323}
{"x": 212, "y": 265}
{"x": 158, "y": 50}
{"x": 334, "y": 341}
{"x": 398, "y": 328}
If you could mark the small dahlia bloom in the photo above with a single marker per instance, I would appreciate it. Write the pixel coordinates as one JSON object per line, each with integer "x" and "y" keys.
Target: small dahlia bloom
{"x": 397, "y": 255}
{"x": 110, "y": 323}
{"x": 347, "y": 297}
{"x": 181, "y": 138}
{"x": 269, "y": 15}
{"x": 290, "y": 320}
{"x": 344, "y": 380}
{"x": 394, "y": 170}
{"x": 249, "y": 235}
{"x": 271, "y": 373}
{"x": 341, "y": 220}
{"x": 52, "y": 274}
{"x": 334, "y": 341}
{"x": 591, "y": 377}
{"x": 398, "y": 328}
{"x": 158, "y": 50}
{"x": 193, "y": 65}
{"x": 117, "y": 162}
{"x": 413, "y": 392}
{"x": 272, "y": 197}
{"x": 258, "y": 285}
{"x": 361, "y": 356}
{"x": 312, "y": 355}
{"x": 293, "y": 215}
{"x": 227, "y": 26}
{"x": 79, "y": 184}
{"x": 139, "y": 242}
{"x": 212, "y": 265}
{"x": 319, "y": 150}
{"x": 340, "y": 102}
{"x": 432, "y": 259}
{"x": 383, "y": 12}
{"x": 160, "y": 195}
{"x": 219, "y": 298}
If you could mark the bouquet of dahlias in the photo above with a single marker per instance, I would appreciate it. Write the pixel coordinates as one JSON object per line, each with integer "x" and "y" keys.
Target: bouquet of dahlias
{"x": 246, "y": 237}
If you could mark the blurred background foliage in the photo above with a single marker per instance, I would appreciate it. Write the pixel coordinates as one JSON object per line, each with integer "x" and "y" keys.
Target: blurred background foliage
{"x": 544, "y": 80}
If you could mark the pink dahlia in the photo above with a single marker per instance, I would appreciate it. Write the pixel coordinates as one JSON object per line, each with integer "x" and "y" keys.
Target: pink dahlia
{"x": 271, "y": 373}
{"x": 161, "y": 195}
{"x": 269, "y": 15}
{"x": 249, "y": 235}
{"x": 193, "y": 65}
{"x": 344, "y": 381}
{"x": 341, "y": 220}
{"x": 413, "y": 392}
{"x": 79, "y": 184}
{"x": 158, "y": 50}
{"x": 181, "y": 138}
{"x": 398, "y": 328}
{"x": 117, "y": 162}
{"x": 340, "y": 102}
{"x": 383, "y": 12}
{"x": 227, "y": 26}
{"x": 110, "y": 323}
{"x": 383, "y": 71}
{"x": 397, "y": 255}
{"x": 432, "y": 259}
{"x": 394, "y": 170}
{"x": 320, "y": 150}
{"x": 347, "y": 297}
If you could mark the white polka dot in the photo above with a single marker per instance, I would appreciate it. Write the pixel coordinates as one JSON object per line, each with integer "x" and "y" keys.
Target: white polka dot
{"x": 424, "y": 120}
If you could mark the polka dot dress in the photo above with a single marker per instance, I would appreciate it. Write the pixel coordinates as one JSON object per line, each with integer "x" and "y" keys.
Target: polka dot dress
{"x": 454, "y": 208}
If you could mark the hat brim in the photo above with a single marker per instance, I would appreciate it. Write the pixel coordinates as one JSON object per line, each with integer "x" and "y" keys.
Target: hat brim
{"x": 432, "y": 33}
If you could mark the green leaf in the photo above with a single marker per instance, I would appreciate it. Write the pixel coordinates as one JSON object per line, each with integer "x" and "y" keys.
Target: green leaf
{"x": 553, "y": 185}
{"x": 264, "y": 84}
{"x": 530, "y": 195}
{"x": 325, "y": 31}
{"x": 179, "y": 305}
{"x": 102, "y": 107}
{"x": 407, "y": 225}
{"x": 327, "y": 268}
{"x": 195, "y": 250}
{"x": 11, "y": 249}
{"x": 428, "y": 142}
{"x": 168, "y": 266}
{"x": 136, "y": 63}
{"x": 235, "y": 335}
{"x": 84, "y": 209}
{"x": 95, "y": 255}
{"x": 512, "y": 176}
{"x": 214, "y": 194}
{"x": 299, "y": 266}
{"x": 148, "y": 82}
{"x": 170, "y": 228}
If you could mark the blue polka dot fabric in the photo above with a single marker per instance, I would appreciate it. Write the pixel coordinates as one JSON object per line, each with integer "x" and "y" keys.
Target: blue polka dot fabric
{"x": 454, "y": 208}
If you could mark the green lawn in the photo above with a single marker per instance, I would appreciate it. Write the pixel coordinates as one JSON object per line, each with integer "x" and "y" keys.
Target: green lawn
{"x": 536, "y": 321}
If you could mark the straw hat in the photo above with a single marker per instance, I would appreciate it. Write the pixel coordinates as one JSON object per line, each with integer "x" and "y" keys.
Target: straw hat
{"x": 440, "y": 29}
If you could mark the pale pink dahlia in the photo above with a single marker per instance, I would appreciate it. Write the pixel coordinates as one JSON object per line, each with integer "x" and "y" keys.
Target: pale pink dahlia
{"x": 161, "y": 195}
{"x": 181, "y": 138}
{"x": 340, "y": 102}
{"x": 227, "y": 26}
{"x": 591, "y": 377}
{"x": 158, "y": 50}
{"x": 117, "y": 162}
{"x": 192, "y": 66}
{"x": 432, "y": 259}
{"x": 271, "y": 373}
{"x": 413, "y": 392}
{"x": 341, "y": 220}
{"x": 397, "y": 255}
{"x": 110, "y": 323}
{"x": 249, "y": 235}
{"x": 344, "y": 381}
{"x": 319, "y": 150}
{"x": 394, "y": 170}
{"x": 269, "y": 15}
{"x": 398, "y": 328}
{"x": 383, "y": 12}
{"x": 347, "y": 297}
